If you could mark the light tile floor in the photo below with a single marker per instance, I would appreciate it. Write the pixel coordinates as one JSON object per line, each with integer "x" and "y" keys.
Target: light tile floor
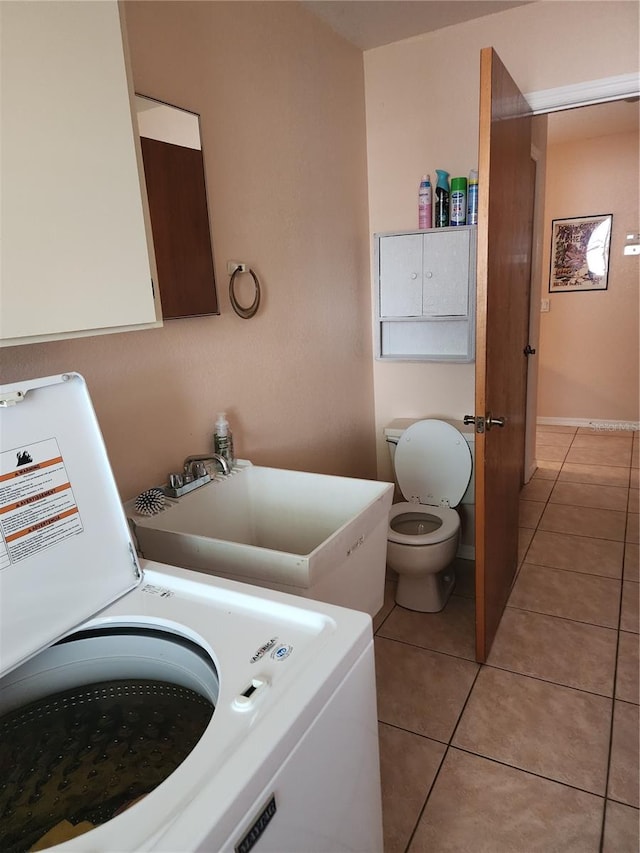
{"x": 538, "y": 749}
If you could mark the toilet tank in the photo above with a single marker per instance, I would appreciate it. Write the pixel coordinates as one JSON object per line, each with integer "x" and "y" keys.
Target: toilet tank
{"x": 466, "y": 508}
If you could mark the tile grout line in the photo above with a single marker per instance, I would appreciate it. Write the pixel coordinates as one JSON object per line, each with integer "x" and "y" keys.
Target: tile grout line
{"x": 446, "y": 752}
{"x": 615, "y": 674}
{"x": 375, "y": 633}
{"x": 535, "y": 530}
{"x": 613, "y": 708}
{"x": 577, "y": 571}
{"x": 426, "y": 799}
{"x": 554, "y": 683}
{"x": 566, "y": 618}
{"x": 428, "y": 649}
{"x": 529, "y": 772}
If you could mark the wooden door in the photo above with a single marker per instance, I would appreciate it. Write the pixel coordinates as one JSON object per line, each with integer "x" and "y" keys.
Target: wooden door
{"x": 504, "y": 254}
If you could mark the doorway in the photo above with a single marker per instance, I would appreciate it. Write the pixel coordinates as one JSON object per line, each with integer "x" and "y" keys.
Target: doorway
{"x": 581, "y": 369}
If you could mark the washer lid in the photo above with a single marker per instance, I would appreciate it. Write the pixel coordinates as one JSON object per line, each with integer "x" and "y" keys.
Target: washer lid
{"x": 65, "y": 549}
{"x": 433, "y": 463}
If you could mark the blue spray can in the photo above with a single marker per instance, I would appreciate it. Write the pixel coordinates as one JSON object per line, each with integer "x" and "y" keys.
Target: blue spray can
{"x": 472, "y": 198}
{"x": 442, "y": 199}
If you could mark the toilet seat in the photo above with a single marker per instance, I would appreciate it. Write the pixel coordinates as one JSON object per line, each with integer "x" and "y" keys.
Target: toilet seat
{"x": 449, "y": 527}
{"x": 433, "y": 464}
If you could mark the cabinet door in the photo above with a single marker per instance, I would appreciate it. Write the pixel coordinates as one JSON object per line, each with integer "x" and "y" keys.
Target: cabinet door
{"x": 74, "y": 250}
{"x": 401, "y": 275}
{"x": 446, "y": 273}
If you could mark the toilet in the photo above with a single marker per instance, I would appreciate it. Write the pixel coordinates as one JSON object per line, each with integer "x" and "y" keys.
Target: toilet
{"x": 433, "y": 465}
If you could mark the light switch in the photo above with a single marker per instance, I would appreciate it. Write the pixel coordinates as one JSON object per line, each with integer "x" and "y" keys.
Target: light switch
{"x": 545, "y": 305}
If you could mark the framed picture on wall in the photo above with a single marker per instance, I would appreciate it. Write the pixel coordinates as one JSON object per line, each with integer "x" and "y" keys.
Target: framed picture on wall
{"x": 580, "y": 253}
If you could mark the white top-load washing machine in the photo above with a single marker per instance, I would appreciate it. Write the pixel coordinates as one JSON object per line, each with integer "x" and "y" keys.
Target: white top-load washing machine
{"x": 150, "y": 707}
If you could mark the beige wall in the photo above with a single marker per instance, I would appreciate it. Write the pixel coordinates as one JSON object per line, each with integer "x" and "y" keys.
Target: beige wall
{"x": 589, "y": 354}
{"x": 282, "y": 106}
{"x": 422, "y": 114}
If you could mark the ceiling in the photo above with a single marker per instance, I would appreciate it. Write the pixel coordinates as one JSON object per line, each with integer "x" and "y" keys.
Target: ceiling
{"x": 597, "y": 120}
{"x": 372, "y": 23}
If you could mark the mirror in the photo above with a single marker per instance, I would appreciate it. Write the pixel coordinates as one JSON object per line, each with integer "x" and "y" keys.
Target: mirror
{"x": 176, "y": 189}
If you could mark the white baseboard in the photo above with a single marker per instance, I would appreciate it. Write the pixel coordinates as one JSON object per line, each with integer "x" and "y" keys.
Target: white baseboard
{"x": 597, "y": 424}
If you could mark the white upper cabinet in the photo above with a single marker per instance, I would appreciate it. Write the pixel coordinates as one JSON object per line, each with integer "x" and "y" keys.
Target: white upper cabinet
{"x": 425, "y": 294}
{"x": 75, "y": 252}
{"x": 425, "y": 274}
{"x": 401, "y": 275}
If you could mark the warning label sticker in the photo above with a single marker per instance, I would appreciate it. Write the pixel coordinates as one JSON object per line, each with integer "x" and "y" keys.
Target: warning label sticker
{"x": 37, "y": 505}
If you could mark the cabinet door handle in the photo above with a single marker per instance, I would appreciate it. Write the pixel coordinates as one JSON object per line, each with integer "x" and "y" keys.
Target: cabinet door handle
{"x": 428, "y": 275}
{"x": 414, "y": 276}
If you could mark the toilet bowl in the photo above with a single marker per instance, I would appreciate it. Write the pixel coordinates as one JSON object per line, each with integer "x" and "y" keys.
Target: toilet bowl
{"x": 433, "y": 465}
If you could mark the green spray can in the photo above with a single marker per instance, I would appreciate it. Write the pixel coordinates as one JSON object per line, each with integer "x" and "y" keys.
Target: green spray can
{"x": 458, "y": 202}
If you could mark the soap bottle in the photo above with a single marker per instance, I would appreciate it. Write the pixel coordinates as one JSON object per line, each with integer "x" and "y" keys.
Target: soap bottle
{"x": 424, "y": 203}
{"x": 223, "y": 439}
{"x": 472, "y": 198}
{"x": 458, "y": 206}
{"x": 442, "y": 199}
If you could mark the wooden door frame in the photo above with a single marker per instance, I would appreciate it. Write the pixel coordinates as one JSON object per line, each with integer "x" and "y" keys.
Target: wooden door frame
{"x": 584, "y": 94}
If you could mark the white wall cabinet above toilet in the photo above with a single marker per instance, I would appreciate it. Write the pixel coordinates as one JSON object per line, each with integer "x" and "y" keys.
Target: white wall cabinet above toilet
{"x": 75, "y": 253}
{"x": 425, "y": 294}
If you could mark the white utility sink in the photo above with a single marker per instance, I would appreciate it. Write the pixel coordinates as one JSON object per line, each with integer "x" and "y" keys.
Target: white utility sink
{"x": 319, "y": 536}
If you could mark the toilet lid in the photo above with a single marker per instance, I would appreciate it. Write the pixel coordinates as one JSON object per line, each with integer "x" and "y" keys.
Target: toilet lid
{"x": 433, "y": 463}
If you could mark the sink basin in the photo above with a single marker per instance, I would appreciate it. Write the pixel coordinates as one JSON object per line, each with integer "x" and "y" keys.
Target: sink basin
{"x": 315, "y": 535}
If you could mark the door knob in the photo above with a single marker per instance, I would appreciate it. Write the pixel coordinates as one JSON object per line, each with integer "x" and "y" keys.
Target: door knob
{"x": 491, "y": 421}
{"x": 483, "y": 423}
{"x": 529, "y": 350}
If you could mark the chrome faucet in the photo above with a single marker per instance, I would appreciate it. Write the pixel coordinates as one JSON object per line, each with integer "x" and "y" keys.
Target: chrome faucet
{"x": 191, "y": 461}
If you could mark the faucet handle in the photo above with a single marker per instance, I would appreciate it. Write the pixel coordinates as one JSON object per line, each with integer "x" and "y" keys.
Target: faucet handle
{"x": 176, "y": 481}
{"x": 198, "y": 469}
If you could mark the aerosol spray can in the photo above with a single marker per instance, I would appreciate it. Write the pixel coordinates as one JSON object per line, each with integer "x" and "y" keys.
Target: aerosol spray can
{"x": 424, "y": 203}
{"x": 442, "y": 199}
{"x": 472, "y": 198}
{"x": 458, "y": 202}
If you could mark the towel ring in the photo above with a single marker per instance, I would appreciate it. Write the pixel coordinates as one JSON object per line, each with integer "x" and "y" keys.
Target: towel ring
{"x": 240, "y": 310}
